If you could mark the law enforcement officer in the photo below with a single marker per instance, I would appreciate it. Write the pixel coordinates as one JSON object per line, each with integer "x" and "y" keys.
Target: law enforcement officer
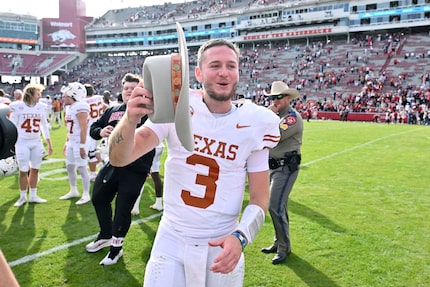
{"x": 284, "y": 161}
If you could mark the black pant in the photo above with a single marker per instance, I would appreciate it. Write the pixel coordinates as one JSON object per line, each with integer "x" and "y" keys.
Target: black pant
{"x": 126, "y": 185}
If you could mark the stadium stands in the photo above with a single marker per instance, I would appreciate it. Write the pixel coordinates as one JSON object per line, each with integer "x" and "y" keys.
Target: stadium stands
{"x": 24, "y": 64}
{"x": 371, "y": 72}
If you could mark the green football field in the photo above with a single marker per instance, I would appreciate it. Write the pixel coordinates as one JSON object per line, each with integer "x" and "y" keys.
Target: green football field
{"x": 359, "y": 215}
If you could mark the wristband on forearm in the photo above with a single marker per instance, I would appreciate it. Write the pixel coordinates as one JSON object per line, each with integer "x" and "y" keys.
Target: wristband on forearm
{"x": 251, "y": 221}
{"x": 241, "y": 238}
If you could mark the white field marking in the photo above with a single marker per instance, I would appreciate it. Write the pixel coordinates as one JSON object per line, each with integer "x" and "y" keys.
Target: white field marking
{"x": 79, "y": 241}
{"x": 34, "y": 256}
{"x": 45, "y": 175}
{"x": 355, "y": 147}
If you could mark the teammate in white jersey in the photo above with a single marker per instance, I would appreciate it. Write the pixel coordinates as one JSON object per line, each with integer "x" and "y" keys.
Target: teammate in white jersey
{"x": 76, "y": 119}
{"x": 4, "y": 97}
{"x": 97, "y": 107}
{"x": 30, "y": 119}
{"x": 200, "y": 240}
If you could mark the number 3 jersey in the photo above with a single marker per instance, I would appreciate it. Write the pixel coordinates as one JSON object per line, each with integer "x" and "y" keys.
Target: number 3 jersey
{"x": 204, "y": 189}
{"x": 30, "y": 120}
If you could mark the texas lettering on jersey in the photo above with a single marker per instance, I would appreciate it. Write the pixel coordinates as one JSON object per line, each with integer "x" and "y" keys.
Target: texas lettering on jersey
{"x": 30, "y": 121}
{"x": 215, "y": 148}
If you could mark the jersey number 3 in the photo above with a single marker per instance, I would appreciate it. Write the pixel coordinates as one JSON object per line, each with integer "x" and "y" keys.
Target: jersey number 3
{"x": 209, "y": 181}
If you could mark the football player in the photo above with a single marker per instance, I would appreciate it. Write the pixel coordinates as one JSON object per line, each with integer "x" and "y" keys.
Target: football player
{"x": 30, "y": 119}
{"x": 200, "y": 240}
{"x": 97, "y": 106}
{"x": 76, "y": 119}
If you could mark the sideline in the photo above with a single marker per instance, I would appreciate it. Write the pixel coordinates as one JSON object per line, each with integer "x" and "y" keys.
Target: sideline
{"x": 34, "y": 256}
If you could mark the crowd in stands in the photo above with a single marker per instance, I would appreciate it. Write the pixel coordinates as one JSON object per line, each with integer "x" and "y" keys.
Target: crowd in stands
{"x": 169, "y": 12}
{"x": 370, "y": 74}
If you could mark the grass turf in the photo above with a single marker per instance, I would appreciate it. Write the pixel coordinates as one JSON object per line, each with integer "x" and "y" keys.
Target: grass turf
{"x": 358, "y": 213}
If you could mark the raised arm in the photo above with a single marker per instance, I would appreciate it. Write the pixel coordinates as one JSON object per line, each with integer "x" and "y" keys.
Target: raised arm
{"x": 126, "y": 143}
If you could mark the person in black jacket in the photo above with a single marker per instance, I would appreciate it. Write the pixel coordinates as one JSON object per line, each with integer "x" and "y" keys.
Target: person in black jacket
{"x": 124, "y": 182}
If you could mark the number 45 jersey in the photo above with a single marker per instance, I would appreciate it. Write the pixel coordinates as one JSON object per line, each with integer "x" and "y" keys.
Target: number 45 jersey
{"x": 30, "y": 120}
{"x": 204, "y": 189}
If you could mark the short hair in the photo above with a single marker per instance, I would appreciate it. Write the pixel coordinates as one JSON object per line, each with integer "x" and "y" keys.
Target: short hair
{"x": 106, "y": 96}
{"x": 129, "y": 77}
{"x": 90, "y": 89}
{"x": 214, "y": 43}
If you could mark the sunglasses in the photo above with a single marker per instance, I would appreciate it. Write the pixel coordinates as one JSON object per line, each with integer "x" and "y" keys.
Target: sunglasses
{"x": 277, "y": 97}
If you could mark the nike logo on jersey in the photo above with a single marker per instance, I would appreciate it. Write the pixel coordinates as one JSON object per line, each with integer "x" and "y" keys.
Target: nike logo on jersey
{"x": 241, "y": 126}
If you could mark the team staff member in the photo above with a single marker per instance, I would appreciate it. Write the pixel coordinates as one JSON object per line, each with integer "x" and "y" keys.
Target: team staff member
{"x": 284, "y": 161}
{"x": 124, "y": 182}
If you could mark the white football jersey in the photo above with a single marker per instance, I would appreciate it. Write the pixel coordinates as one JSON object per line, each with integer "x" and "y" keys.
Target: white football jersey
{"x": 97, "y": 107}
{"x": 4, "y": 100}
{"x": 71, "y": 120}
{"x": 205, "y": 188}
{"x": 29, "y": 121}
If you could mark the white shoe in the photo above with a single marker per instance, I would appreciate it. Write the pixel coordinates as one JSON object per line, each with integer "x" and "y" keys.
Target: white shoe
{"x": 135, "y": 211}
{"x": 108, "y": 261}
{"x": 97, "y": 245}
{"x": 21, "y": 201}
{"x": 70, "y": 194}
{"x": 84, "y": 199}
{"x": 158, "y": 207}
{"x": 37, "y": 199}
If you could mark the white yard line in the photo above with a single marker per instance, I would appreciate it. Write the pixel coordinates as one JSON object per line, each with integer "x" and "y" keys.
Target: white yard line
{"x": 354, "y": 147}
{"x": 34, "y": 256}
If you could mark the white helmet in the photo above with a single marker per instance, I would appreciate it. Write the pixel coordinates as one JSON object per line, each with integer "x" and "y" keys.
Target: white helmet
{"x": 75, "y": 90}
{"x": 8, "y": 166}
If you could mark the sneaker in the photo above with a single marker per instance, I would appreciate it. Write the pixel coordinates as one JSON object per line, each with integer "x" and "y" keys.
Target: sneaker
{"x": 97, "y": 245}
{"x": 21, "y": 201}
{"x": 70, "y": 194}
{"x": 37, "y": 199}
{"x": 84, "y": 199}
{"x": 158, "y": 207}
{"x": 109, "y": 261}
{"x": 135, "y": 211}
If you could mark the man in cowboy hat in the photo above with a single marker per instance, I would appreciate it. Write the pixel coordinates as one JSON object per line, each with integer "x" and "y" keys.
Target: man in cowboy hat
{"x": 284, "y": 161}
{"x": 200, "y": 240}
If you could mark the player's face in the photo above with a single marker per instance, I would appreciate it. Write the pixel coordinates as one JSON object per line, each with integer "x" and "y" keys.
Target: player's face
{"x": 127, "y": 89}
{"x": 219, "y": 72}
{"x": 68, "y": 100}
{"x": 37, "y": 96}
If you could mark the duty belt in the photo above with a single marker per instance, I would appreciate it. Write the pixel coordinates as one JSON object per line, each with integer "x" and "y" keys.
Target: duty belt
{"x": 275, "y": 163}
